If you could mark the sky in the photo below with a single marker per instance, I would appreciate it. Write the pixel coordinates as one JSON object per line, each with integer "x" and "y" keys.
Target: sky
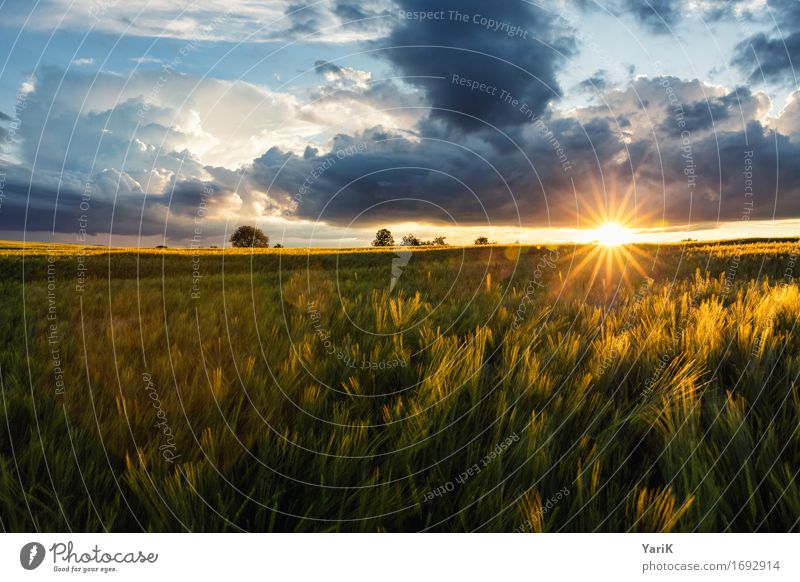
{"x": 150, "y": 122}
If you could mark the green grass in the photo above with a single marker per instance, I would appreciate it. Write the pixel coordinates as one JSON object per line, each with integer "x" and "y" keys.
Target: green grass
{"x": 529, "y": 394}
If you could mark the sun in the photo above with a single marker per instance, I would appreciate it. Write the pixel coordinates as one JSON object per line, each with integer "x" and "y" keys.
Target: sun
{"x": 611, "y": 234}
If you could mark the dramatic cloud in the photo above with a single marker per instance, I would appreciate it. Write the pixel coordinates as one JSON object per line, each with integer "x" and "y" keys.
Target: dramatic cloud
{"x": 112, "y": 202}
{"x": 662, "y": 149}
{"x": 468, "y": 56}
{"x": 163, "y": 119}
{"x": 385, "y": 175}
{"x": 151, "y": 144}
{"x": 770, "y": 58}
{"x": 82, "y": 121}
{"x": 773, "y": 56}
{"x": 120, "y": 141}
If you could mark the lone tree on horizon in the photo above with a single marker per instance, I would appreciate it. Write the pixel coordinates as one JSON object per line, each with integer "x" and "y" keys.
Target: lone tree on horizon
{"x": 410, "y": 240}
{"x": 246, "y": 237}
{"x": 383, "y": 238}
{"x": 482, "y": 240}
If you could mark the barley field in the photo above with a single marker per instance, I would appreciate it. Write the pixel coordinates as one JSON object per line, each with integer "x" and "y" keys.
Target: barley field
{"x": 499, "y": 389}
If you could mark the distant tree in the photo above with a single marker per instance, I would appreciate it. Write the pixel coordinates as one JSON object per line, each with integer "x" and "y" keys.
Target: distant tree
{"x": 439, "y": 241}
{"x": 410, "y": 240}
{"x": 482, "y": 240}
{"x": 278, "y": 246}
{"x": 249, "y": 237}
{"x": 383, "y": 238}
{"x": 161, "y": 246}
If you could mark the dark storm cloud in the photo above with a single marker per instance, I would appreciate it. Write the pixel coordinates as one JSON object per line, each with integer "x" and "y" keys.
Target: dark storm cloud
{"x": 183, "y": 196}
{"x": 775, "y": 178}
{"x": 631, "y": 142}
{"x": 507, "y": 46}
{"x": 769, "y": 58}
{"x": 722, "y": 163}
{"x": 379, "y": 169}
{"x": 472, "y": 181}
{"x": 687, "y": 168}
{"x": 478, "y": 182}
{"x": 40, "y": 212}
{"x": 703, "y": 115}
{"x": 773, "y": 57}
{"x": 785, "y": 12}
{"x": 693, "y": 174}
{"x": 42, "y": 206}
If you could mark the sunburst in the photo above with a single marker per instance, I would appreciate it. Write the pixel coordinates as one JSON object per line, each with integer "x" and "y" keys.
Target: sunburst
{"x": 609, "y": 246}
